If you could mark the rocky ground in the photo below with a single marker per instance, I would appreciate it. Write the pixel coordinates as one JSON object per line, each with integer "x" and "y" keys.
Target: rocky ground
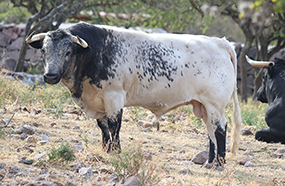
{"x": 174, "y": 154}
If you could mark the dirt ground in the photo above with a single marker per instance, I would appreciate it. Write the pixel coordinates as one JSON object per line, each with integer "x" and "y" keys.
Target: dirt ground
{"x": 177, "y": 142}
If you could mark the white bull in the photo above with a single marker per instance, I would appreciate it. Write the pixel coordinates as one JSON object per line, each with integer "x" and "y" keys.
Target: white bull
{"x": 108, "y": 68}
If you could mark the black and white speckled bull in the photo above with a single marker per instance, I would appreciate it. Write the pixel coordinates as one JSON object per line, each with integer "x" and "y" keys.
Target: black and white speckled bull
{"x": 107, "y": 69}
{"x": 272, "y": 91}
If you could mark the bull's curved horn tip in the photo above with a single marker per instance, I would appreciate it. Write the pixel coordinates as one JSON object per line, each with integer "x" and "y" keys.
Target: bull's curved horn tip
{"x": 79, "y": 41}
{"x": 32, "y": 38}
{"x": 259, "y": 64}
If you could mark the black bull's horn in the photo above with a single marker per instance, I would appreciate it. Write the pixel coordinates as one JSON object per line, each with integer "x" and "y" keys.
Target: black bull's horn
{"x": 75, "y": 39}
{"x": 259, "y": 64}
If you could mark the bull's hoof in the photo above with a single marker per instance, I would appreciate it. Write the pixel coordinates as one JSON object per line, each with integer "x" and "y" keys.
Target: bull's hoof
{"x": 112, "y": 148}
{"x": 215, "y": 165}
{"x": 270, "y": 135}
{"x": 208, "y": 165}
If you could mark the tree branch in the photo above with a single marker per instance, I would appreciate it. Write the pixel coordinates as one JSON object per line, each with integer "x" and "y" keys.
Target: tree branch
{"x": 197, "y": 8}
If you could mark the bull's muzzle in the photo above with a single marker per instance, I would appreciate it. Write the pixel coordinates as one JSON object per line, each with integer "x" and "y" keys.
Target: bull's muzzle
{"x": 51, "y": 78}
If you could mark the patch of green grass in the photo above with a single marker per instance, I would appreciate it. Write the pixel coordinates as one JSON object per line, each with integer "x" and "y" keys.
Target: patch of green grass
{"x": 253, "y": 113}
{"x": 64, "y": 152}
{"x": 49, "y": 98}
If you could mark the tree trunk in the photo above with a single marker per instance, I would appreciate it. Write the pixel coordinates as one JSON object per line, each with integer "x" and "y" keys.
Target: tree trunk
{"x": 20, "y": 63}
{"x": 243, "y": 74}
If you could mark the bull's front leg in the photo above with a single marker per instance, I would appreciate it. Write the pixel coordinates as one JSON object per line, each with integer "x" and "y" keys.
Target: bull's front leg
{"x": 110, "y": 128}
{"x": 106, "y": 140}
{"x": 114, "y": 128}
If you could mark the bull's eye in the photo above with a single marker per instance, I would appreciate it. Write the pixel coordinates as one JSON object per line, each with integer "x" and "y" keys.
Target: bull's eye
{"x": 67, "y": 54}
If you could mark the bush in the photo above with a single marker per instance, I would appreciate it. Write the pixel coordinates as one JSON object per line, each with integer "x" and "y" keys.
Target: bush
{"x": 64, "y": 152}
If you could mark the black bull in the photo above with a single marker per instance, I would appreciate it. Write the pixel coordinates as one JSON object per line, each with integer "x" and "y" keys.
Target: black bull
{"x": 272, "y": 91}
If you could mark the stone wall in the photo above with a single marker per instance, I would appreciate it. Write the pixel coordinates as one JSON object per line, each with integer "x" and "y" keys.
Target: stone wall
{"x": 11, "y": 39}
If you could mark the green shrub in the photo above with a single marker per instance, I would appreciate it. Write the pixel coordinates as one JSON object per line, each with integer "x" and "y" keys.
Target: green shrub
{"x": 64, "y": 152}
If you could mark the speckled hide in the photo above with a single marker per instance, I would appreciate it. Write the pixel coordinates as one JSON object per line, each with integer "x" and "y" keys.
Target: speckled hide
{"x": 160, "y": 72}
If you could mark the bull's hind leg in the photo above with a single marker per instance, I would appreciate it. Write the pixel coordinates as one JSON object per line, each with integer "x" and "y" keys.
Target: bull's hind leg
{"x": 217, "y": 126}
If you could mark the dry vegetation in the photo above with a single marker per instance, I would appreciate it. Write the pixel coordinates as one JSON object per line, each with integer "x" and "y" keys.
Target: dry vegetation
{"x": 158, "y": 156}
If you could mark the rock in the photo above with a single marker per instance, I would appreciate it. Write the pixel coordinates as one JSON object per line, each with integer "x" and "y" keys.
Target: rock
{"x": 40, "y": 156}
{"x": 27, "y": 162}
{"x": 44, "y": 138}
{"x": 105, "y": 170}
{"x": 185, "y": 171}
{"x": 23, "y": 136}
{"x": 16, "y": 45}
{"x": 78, "y": 166}
{"x": 132, "y": 181}
{"x": 17, "y": 130}
{"x": 170, "y": 131}
{"x": 75, "y": 140}
{"x": 248, "y": 164}
{"x": 78, "y": 147}
{"x": 248, "y": 152}
{"x": 9, "y": 63}
{"x": 19, "y": 149}
{"x": 28, "y": 130}
{"x": 30, "y": 79}
{"x": 2, "y": 165}
{"x": 145, "y": 124}
{"x": 2, "y": 174}
{"x": 5, "y": 121}
{"x": 126, "y": 120}
{"x": 201, "y": 157}
{"x": 4, "y": 40}
{"x": 243, "y": 160}
{"x": 42, "y": 142}
{"x": 31, "y": 139}
{"x": 246, "y": 131}
{"x": 16, "y": 136}
{"x": 186, "y": 162}
{"x": 279, "y": 153}
{"x": 14, "y": 171}
{"x": 86, "y": 172}
{"x": 76, "y": 127}
{"x": 98, "y": 178}
{"x": 113, "y": 177}
{"x": 41, "y": 183}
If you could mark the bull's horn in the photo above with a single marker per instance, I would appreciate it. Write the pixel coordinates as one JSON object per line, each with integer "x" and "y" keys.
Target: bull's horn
{"x": 258, "y": 64}
{"x": 79, "y": 41}
{"x": 32, "y": 38}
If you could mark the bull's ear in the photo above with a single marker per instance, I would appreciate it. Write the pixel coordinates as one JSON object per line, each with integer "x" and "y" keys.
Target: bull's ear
{"x": 35, "y": 41}
{"x": 81, "y": 50}
{"x": 36, "y": 44}
{"x": 270, "y": 70}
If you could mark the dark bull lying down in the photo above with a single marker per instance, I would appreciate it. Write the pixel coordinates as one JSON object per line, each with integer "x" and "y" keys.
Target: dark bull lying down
{"x": 108, "y": 68}
{"x": 272, "y": 91}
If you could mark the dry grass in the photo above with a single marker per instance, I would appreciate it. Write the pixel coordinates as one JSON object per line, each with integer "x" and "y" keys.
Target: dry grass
{"x": 163, "y": 150}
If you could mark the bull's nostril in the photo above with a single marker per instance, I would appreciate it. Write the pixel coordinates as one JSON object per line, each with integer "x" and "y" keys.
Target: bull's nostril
{"x": 51, "y": 78}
